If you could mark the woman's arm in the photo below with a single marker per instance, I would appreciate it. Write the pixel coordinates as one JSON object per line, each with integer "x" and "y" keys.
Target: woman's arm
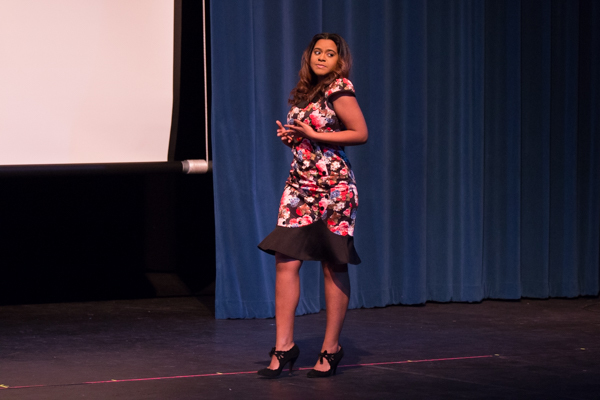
{"x": 349, "y": 112}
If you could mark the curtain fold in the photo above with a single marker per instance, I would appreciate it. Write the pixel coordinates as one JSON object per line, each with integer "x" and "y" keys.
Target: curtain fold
{"x": 481, "y": 175}
{"x": 502, "y": 149}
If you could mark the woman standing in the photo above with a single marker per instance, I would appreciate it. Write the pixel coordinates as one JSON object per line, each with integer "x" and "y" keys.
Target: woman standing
{"x": 318, "y": 207}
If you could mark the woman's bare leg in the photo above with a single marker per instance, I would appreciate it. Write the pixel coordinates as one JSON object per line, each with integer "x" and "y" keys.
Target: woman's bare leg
{"x": 337, "y": 295}
{"x": 287, "y": 295}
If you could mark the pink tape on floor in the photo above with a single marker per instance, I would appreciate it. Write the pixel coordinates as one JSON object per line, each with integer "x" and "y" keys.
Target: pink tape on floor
{"x": 3, "y": 387}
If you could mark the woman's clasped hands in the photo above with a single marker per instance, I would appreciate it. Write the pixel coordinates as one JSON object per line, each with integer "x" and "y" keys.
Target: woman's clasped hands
{"x": 298, "y": 130}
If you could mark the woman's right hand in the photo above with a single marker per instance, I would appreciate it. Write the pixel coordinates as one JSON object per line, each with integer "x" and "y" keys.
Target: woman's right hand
{"x": 286, "y": 135}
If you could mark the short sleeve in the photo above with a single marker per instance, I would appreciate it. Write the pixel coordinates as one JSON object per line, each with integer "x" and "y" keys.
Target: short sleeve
{"x": 340, "y": 87}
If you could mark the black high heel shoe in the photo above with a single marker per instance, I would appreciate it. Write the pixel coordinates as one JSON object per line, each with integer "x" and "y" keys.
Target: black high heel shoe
{"x": 332, "y": 359}
{"x": 283, "y": 357}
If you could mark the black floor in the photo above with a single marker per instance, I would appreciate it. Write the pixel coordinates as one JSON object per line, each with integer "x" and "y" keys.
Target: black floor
{"x": 173, "y": 348}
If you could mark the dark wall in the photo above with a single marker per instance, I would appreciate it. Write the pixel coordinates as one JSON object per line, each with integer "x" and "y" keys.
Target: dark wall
{"x": 90, "y": 237}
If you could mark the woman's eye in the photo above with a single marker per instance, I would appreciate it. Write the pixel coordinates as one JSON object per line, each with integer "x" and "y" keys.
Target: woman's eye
{"x": 317, "y": 52}
{"x": 330, "y": 54}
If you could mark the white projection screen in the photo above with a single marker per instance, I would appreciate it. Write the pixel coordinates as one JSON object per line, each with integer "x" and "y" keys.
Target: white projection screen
{"x": 85, "y": 81}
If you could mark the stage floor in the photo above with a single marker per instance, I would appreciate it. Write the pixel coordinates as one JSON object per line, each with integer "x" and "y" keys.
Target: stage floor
{"x": 173, "y": 348}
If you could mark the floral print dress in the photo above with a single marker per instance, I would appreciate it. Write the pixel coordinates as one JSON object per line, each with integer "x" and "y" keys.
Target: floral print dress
{"x": 319, "y": 202}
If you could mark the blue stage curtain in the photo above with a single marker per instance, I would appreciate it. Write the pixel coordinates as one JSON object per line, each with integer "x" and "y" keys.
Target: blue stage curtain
{"x": 481, "y": 177}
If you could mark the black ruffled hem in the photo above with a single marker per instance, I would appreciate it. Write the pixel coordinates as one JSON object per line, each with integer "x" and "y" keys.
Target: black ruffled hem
{"x": 312, "y": 242}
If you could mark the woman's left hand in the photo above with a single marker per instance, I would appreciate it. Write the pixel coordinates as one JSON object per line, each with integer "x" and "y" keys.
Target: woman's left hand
{"x": 302, "y": 129}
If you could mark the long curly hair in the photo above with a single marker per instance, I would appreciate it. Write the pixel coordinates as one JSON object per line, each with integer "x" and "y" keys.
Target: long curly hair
{"x": 309, "y": 86}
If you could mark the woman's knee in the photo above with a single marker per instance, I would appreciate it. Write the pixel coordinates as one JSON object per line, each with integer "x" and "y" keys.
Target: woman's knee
{"x": 286, "y": 263}
{"x": 332, "y": 269}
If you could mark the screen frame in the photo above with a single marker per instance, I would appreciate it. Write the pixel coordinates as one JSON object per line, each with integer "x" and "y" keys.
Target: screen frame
{"x": 175, "y": 162}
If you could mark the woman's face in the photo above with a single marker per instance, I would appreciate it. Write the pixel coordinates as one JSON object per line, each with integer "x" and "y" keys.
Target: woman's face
{"x": 324, "y": 57}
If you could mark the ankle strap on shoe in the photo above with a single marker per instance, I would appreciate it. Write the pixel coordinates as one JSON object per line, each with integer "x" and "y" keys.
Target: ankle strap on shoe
{"x": 327, "y": 356}
{"x": 279, "y": 354}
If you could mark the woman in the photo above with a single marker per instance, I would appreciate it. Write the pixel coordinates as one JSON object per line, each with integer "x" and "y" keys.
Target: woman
{"x": 319, "y": 202}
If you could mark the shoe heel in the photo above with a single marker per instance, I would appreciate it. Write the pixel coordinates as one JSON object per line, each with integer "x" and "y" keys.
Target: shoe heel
{"x": 292, "y": 362}
{"x": 284, "y": 357}
{"x": 332, "y": 359}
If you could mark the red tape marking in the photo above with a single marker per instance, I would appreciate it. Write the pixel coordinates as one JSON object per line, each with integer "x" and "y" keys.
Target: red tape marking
{"x": 235, "y": 373}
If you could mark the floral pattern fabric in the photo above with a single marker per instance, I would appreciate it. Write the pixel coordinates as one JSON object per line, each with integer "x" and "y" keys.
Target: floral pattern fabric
{"x": 321, "y": 184}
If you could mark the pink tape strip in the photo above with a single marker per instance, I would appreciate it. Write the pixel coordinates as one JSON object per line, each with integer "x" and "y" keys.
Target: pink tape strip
{"x": 237, "y": 373}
